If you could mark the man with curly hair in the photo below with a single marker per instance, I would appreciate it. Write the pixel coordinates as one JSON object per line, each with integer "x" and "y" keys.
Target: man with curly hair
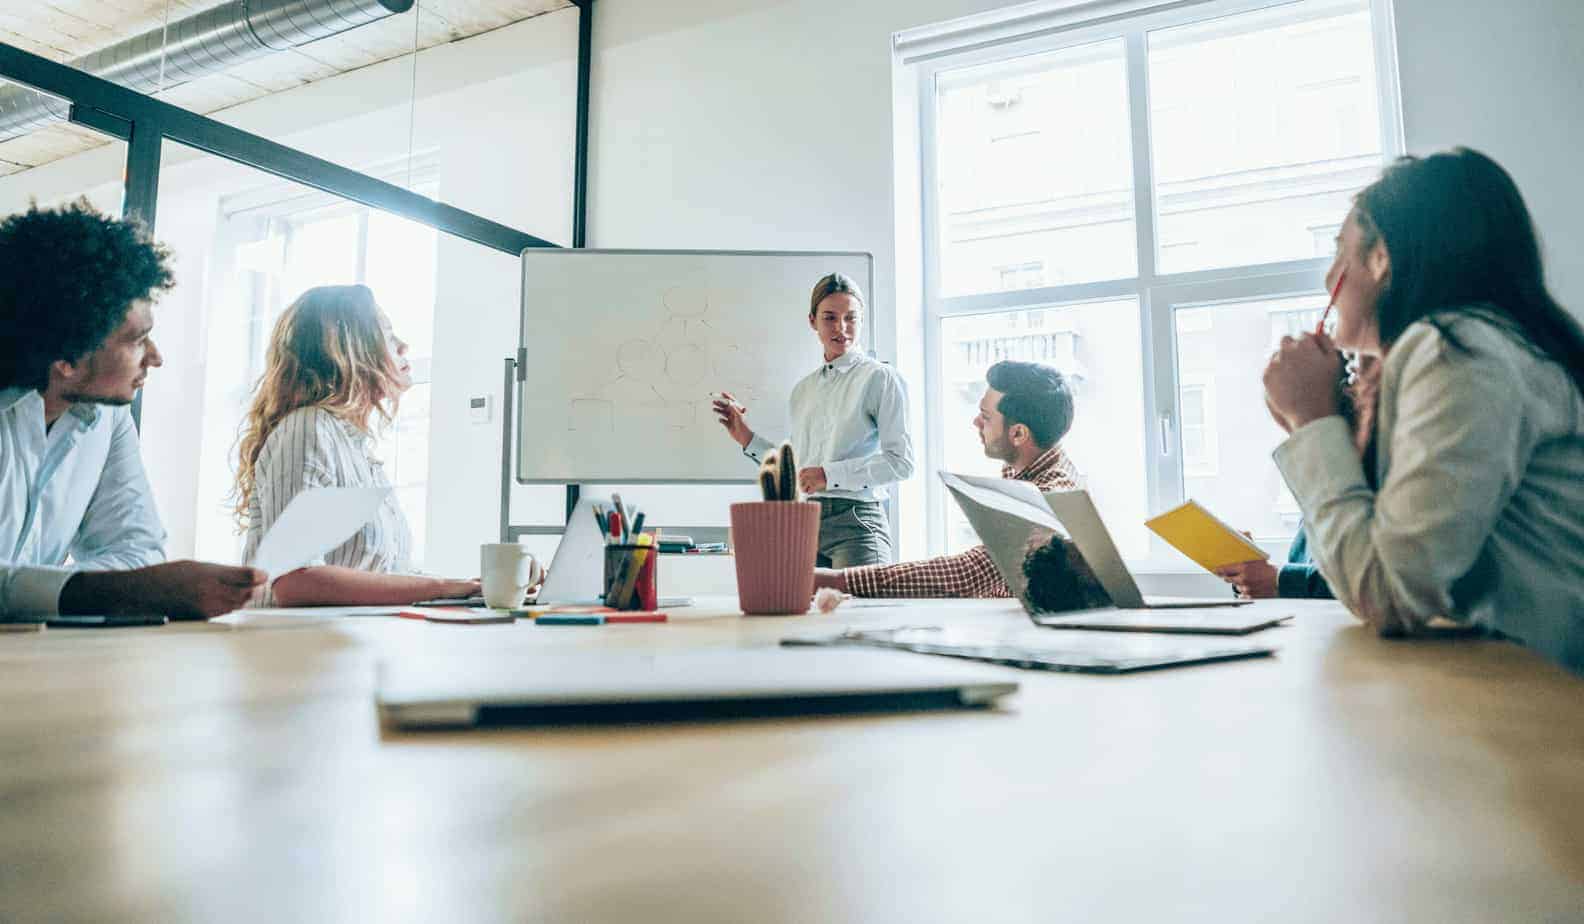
{"x": 76, "y": 293}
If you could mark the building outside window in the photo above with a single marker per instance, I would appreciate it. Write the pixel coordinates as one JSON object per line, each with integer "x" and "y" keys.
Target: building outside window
{"x": 1179, "y": 172}
{"x": 1029, "y": 275}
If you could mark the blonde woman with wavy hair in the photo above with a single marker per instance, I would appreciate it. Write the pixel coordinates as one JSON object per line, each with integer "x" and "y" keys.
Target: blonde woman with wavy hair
{"x": 335, "y": 370}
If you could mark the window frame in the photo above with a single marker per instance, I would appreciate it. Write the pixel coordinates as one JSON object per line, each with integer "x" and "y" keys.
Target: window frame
{"x": 1158, "y": 294}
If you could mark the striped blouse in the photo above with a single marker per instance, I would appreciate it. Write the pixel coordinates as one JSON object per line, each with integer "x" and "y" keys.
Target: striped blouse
{"x": 309, "y": 448}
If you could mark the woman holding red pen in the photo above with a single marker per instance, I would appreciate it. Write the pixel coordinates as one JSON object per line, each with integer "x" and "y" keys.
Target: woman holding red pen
{"x": 849, "y": 431}
{"x": 1468, "y": 500}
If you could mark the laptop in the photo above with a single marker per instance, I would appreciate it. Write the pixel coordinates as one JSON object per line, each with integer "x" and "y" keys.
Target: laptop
{"x": 576, "y": 576}
{"x": 626, "y": 686}
{"x": 577, "y": 571}
{"x": 1011, "y": 517}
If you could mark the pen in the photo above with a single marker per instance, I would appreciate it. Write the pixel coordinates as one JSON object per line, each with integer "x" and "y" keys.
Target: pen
{"x": 599, "y": 517}
{"x": 1320, "y": 328}
{"x": 637, "y": 527}
{"x": 615, "y": 520}
{"x": 620, "y": 509}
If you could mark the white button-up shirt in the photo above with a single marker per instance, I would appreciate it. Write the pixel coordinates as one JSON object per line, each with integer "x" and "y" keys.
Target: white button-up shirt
{"x": 75, "y": 491}
{"x": 311, "y": 447}
{"x": 850, "y": 418}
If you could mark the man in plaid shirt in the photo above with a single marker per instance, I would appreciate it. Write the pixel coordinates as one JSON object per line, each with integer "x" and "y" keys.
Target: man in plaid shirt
{"x": 1024, "y": 413}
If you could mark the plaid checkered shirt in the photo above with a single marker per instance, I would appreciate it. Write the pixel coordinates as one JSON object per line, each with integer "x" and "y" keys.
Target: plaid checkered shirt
{"x": 966, "y": 574}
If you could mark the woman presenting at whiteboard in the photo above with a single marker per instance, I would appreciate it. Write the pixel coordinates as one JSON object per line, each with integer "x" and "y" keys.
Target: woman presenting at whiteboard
{"x": 849, "y": 431}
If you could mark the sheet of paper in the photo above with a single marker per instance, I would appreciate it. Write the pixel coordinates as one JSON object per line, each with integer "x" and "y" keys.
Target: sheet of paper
{"x": 1019, "y": 498}
{"x": 316, "y": 521}
{"x": 324, "y": 611}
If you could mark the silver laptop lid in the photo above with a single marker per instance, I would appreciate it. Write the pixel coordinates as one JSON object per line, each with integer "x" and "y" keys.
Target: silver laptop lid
{"x": 1076, "y": 511}
{"x": 1013, "y": 518}
{"x": 446, "y": 691}
{"x": 577, "y": 571}
{"x": 1010, "y": 518}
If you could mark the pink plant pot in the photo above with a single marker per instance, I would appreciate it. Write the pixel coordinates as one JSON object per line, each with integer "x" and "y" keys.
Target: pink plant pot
{"x": 774, "y": 544}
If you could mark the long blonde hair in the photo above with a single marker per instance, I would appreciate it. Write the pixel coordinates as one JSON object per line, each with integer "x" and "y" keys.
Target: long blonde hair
{"x": 327, "y": 351}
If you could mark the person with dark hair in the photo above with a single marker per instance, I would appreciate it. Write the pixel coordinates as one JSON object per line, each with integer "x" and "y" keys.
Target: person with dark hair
{"x": 76, "y": 290}
{"x": 1025, "y": 412}
{"x": 1458, "y": 492}
{"x": 849, "y": 431}
{"x": 1059, "y": 580}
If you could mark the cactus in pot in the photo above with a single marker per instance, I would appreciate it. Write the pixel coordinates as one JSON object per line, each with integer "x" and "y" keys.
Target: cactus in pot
{"x": 776, "y": 540}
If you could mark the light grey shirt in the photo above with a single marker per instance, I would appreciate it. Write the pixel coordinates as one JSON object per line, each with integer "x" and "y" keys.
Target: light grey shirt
{"x": 312, "y": 447}
{"x": 75, "y": 491}
{"x": 1480, "y": 513}
{"x": 850, "y": 418}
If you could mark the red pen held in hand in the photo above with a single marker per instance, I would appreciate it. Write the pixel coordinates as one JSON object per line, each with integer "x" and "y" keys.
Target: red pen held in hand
{"x": 1320, "y": 328}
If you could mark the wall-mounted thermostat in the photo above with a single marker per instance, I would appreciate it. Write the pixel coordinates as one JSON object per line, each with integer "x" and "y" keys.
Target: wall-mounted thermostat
{"x": 479, "y": 409}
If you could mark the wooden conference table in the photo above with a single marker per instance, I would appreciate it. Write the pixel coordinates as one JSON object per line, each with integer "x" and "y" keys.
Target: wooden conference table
{"x": 239, "y": 773}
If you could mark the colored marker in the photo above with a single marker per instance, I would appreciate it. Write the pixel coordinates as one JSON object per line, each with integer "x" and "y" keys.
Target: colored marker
{"x": 570, "y": 619}
{"x": 615, "y": 618}
{"x": 622, "y": 510}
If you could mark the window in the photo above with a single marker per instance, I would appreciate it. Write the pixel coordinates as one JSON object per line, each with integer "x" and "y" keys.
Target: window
{"x": 1272, "y": 124}
{"x": 1198, "y": 428}
{"x": 1324, "y": 238}
{"x": 1227, "y": 435}
{"x": 1094, "y": 346}
{"x": 1014, "y": 188}
{"x": 283, "y": 248}
{"x": 1022, "y": 276}
{"x": 1185, "y": 173}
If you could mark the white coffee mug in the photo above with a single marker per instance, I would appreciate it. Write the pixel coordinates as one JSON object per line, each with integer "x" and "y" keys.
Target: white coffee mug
{"x": 506, "y": 570}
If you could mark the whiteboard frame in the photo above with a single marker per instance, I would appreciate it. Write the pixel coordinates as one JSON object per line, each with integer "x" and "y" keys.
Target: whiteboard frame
{"x": 523, "y": 353}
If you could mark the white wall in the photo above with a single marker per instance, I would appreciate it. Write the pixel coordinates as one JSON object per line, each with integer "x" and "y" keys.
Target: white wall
{"x": 768, "y": 123}
{"x": 1506, "y": 79}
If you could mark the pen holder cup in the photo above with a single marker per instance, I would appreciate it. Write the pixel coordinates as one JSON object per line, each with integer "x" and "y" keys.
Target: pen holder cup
{"x": 630, "y": 577}
{"x": 774, "y": 544}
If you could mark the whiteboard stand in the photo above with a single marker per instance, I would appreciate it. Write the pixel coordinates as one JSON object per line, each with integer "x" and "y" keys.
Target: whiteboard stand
{"x": 508, "y": 532}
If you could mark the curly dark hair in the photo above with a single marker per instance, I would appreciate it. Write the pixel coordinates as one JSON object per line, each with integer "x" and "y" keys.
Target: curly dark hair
{"x": 1059, "y": 579}
{"x": 68, "y": 277}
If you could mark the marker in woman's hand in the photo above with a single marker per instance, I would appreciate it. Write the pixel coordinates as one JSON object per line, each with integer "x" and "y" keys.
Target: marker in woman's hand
{"x": 722, "y": 398}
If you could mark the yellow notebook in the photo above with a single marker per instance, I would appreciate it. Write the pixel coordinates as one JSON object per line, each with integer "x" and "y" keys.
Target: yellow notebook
{"x": 1195, "y": 532}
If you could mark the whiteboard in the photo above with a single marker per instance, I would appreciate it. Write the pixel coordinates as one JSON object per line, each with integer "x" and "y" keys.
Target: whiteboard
{"x": 620, "y": 350}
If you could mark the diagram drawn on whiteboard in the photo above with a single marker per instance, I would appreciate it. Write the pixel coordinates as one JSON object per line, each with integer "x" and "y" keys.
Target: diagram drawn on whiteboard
{"x": 662, "y": 377}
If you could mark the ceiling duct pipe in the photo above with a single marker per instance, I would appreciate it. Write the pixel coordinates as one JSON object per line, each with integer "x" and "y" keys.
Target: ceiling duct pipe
{"x": 200, "y": 45}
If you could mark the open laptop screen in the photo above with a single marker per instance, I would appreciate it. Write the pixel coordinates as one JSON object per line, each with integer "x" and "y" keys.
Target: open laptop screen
{"x": 1019, "y": 531}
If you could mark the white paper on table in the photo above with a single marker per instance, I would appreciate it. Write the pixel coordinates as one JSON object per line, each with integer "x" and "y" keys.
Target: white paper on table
{"x": 316, "y": 521}
{"x": 335, "y": 611}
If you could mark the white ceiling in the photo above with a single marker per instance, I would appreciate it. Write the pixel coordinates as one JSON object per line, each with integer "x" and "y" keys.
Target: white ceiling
{"x": 63, "y": 30}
